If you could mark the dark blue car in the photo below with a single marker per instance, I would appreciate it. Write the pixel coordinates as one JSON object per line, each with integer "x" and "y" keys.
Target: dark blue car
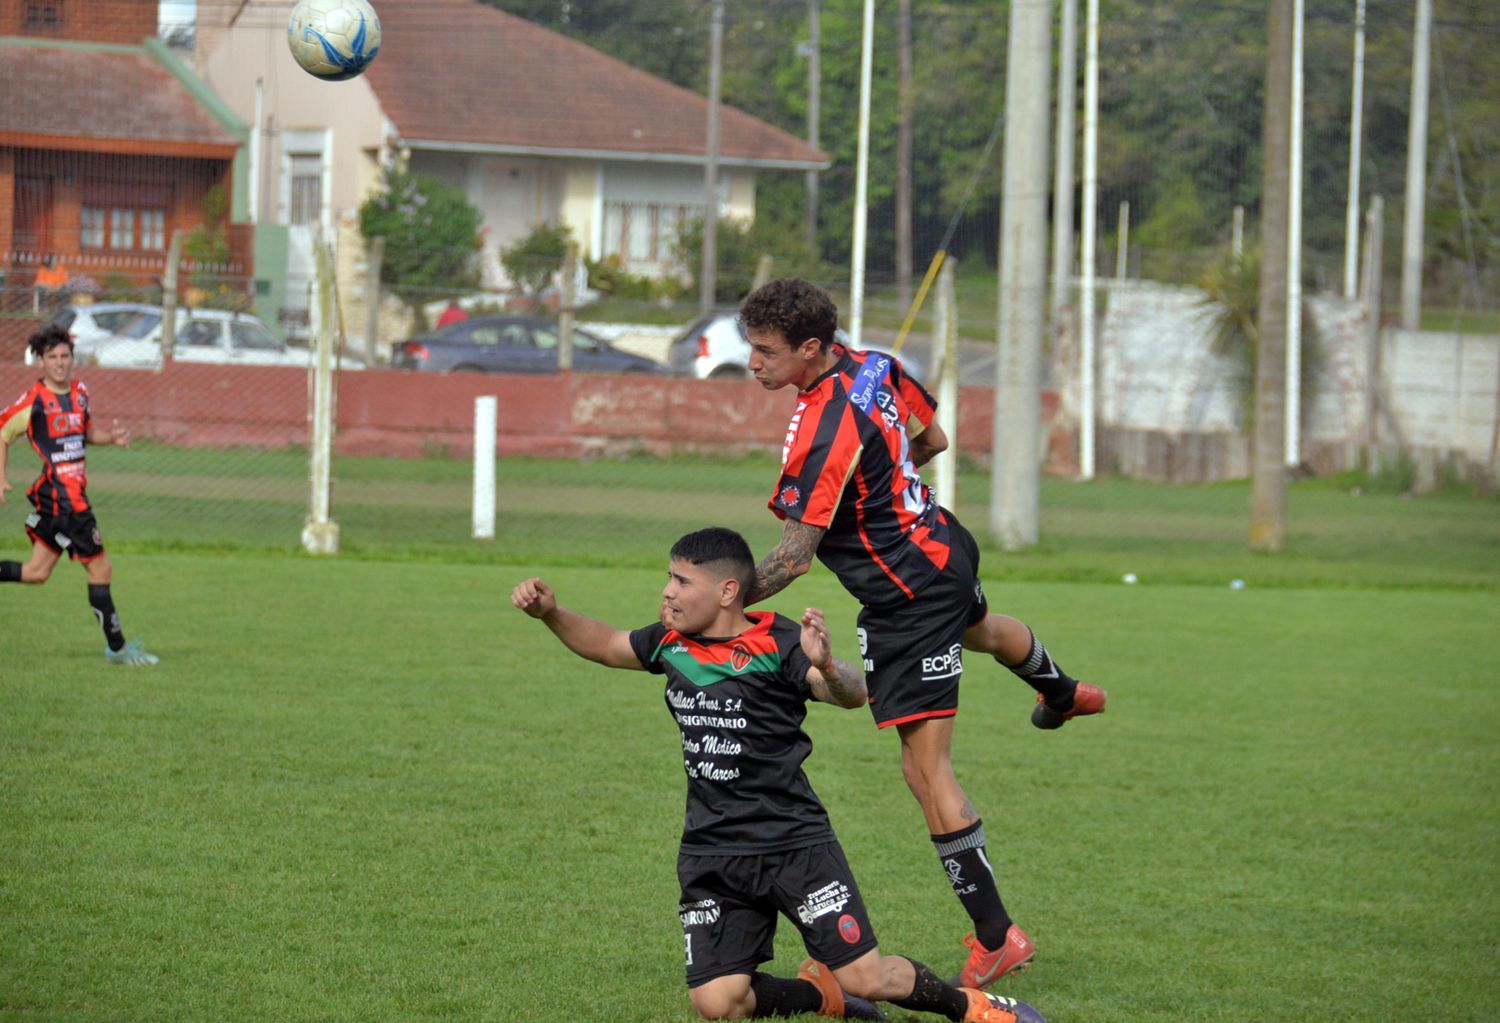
{"x": 512, "y": 344}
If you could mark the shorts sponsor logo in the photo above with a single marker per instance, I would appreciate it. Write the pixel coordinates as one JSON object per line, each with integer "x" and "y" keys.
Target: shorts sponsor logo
{"x": 698, "y": 914}
{"x": 831, "y": 898}
{"x": 848, "y": 928}
{"x": 944, "y": 665}
{"x": 739, "y": 657}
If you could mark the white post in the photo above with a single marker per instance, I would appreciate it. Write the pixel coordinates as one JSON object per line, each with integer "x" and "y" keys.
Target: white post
{"x": 253, "y": 156}
{"x": 1294, "y": 255}
{"x": 320, "y": 534}
{"x": 861, "y": 179}
{"x": 1356, "y": 116}
{"x": 1086, "y": 233}
{"x": 945, "y": 351}
{"x": 1062, "y": 171}
{"x": 1416, "y": 171}
{"x": 1237, "y": 232}
{"x": 1122, "y": 249}
{"x": 485, "y": 418}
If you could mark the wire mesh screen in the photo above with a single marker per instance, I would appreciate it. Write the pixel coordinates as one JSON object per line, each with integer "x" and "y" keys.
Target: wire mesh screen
{"x": 502, "y": 176}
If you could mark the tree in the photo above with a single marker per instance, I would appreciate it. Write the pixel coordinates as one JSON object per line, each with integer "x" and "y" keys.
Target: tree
{"x": 533, "y": 260}
{"x": 431, "y": 233}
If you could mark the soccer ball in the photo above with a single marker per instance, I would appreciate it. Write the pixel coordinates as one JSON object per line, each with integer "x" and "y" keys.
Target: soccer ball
{"x": 333, "y": 39}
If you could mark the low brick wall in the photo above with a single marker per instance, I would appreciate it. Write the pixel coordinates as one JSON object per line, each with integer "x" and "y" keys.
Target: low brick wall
{"x": 406, "y": 414}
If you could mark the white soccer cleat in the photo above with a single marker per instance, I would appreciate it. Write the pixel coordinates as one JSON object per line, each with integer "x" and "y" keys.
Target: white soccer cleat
{"x": 133, "y": 654}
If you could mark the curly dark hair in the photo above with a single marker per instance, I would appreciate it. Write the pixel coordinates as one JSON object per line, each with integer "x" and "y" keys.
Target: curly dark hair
{"x": 717, "y": 544}
{"x": 48, "y": 338}
{"x": 797, "y": 308}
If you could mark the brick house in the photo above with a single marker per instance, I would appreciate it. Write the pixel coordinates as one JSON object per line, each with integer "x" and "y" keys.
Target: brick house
{"x": 108, "y": 144}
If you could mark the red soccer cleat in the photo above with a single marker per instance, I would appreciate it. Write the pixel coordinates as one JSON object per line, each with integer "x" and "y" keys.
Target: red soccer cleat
{"x": 987, "y": 1008}
{"x": 1087, "y": 699}
{"x": 984, "y": 967}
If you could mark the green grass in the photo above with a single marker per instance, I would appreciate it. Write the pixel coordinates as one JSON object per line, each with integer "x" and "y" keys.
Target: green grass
{"x": 365, "y": 788}
{"x": 371, "y": 790}
{"x": 1341, "y": 531}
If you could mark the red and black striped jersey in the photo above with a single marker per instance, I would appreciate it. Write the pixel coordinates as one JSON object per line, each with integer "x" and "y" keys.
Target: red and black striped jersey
{"x": 846, "y": 466}
{"x": 739, "y": 702}
{"x": 57, "y": 426}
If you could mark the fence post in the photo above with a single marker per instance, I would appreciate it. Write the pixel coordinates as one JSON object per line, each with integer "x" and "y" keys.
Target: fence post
{"x": 945, "y": 359}
{"x": 372, "y": 297}
{"x": 320, "y": 535}
{"x": 569, "y": 299}
{"x": 1374, "y": 234}
{"x": 485, "y": 418}
{"x": 169, "y": 299}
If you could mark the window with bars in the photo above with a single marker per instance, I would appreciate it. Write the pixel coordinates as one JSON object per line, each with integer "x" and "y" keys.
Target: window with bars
{"x": 644, "y": 233}
{"x": 122, "y": 228}
{"x": 307, "y": 189}
{"x": 43, "y": 16}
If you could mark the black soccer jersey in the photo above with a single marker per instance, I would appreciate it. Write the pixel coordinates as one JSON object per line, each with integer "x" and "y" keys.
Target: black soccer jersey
{"x": 739, "y": 703}
{"x": 58, "y": 427}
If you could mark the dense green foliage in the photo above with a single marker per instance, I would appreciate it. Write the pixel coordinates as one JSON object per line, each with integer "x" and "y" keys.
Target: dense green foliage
{"x": 1180, "y": 125}
{"x": 431, "y": 233}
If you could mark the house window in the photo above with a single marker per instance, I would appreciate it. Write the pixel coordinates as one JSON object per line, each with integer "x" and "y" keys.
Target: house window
{"x": 153, "y": 229}
{"x": 643, "y": 233}
{"x": 122, "y": 228}
{"x": 43, "y": 16}
{"x": 91, "y": 233}
{"x": 307, "y": 189}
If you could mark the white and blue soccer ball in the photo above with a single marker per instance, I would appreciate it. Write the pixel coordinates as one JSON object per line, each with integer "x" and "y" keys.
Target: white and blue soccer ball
{"x": 333, "y": 39}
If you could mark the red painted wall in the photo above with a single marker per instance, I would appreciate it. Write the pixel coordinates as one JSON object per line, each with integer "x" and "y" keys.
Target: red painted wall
{"x": 405, "y": 414}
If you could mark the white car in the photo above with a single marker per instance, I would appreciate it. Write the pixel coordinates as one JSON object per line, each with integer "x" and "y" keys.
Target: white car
{"x": 93, "y": 322}
{"x": 207, "y": 335}
{"x": 712, "y": 347}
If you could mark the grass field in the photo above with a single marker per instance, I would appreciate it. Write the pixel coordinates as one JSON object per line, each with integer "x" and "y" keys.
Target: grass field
{"x": 365, "y": 788}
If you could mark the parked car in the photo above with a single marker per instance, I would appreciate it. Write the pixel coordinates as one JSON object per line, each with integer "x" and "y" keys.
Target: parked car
{"x": 91, "y": 323}
{"x": 512, "y": 344}
{"x": 205, "y": 335}
{"x": 712, "y": 347}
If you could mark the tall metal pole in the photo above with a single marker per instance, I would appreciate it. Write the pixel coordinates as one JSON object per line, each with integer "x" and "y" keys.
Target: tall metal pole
{"x": 814, "y": 100}
{"x": 861, "y": 179}
{"x": 903, "y": 153}
{"x": 1015, "y": 481}
{"x": 1356, "y": 140}
{"x": 1087, "y": 230}
{"x": 708, "y": 279}
{"x": 1416, "y": 171}
{"x": 1062, "y": 171}
{"x": 1293, "y": 451}
{"x": 1268, "y": 479}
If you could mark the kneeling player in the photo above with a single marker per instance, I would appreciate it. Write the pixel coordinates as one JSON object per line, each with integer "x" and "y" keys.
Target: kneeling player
{"x": 756, "y": 839}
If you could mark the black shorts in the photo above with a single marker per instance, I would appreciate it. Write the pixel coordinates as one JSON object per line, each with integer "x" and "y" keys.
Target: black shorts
{"x": 75, "y": 534}
{"x": 729, "y": 905}
{"x": 914, "y": 652}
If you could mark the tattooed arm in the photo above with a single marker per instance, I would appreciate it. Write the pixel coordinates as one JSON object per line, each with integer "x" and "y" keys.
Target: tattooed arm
{"x": 790, "y": 558}
{"x": 830, "y": 679}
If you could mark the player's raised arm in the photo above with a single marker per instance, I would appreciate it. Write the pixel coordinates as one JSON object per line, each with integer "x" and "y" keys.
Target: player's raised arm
{"x": 831, "y": 680}
{"x": 792, "y": 557}
{"x": 587, "y": 637}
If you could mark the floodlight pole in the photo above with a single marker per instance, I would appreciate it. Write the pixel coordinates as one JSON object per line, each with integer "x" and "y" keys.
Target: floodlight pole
{"x": 1086, "y": 232}
{"x": 1416, "y": 171}
{"x": 861, "y": 180}
{"x": 1293, "y": 449}
{"x": 708, "y": 278}
{"x": 1356, "y": 140}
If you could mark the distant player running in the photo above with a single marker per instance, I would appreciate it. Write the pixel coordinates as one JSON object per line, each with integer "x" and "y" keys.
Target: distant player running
{"x": 850, "y": 495}
{"x": 756, "y": 840}
{"x": 54, "y": 415}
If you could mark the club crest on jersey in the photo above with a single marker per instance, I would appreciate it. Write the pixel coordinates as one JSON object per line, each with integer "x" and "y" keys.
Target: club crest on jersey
{"x": 739, "y": 657}
{"x": 789, "y": 496}
{"x": 66, "y": 422}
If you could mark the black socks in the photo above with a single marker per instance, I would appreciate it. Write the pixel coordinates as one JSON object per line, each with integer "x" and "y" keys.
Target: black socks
{"x": 933, "y": 994}
{"x": 1041, "y": 673}
{"x": 962, "y": 853}
{"x": 104, "y": 610}
{"x": 782, "y": 996}
{"x": 10, "y": 571}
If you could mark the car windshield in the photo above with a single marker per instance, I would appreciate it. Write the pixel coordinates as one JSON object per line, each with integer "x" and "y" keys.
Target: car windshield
{"x": 140, "y": 326}
{"x": 253, "y": 334}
